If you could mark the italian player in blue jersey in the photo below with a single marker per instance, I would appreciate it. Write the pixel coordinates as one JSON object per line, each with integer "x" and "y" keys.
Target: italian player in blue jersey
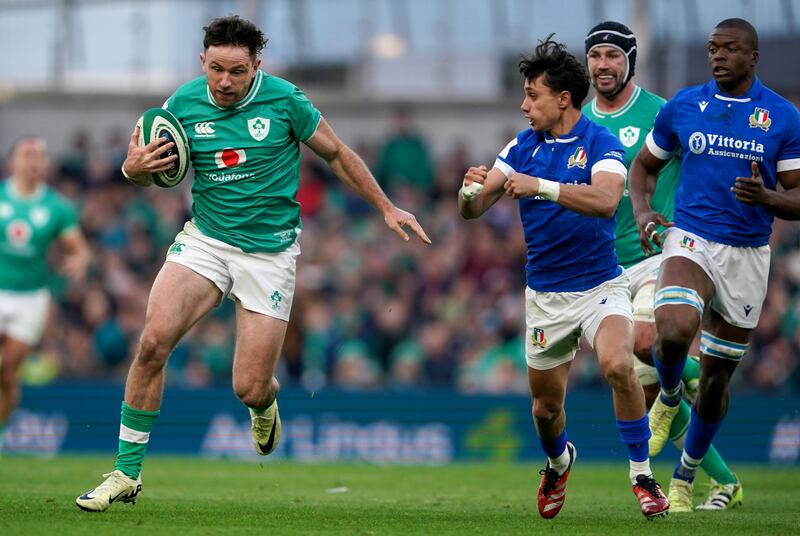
{"x": 569, "y": 175}
{"x": 738, "y": 141}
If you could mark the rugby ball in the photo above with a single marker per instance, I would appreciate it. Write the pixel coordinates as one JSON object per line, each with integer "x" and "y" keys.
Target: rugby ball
{"x": 160, "y": 123}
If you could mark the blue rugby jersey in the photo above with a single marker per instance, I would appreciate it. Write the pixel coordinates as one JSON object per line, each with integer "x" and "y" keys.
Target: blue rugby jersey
{"x": 567, "y": 251}
{"x": 720, "y": 136}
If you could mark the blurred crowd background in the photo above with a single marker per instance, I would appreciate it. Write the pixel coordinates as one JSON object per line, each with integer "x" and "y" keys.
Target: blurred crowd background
{"x": 371, "y": 311}
{"x": 421, "y": 89}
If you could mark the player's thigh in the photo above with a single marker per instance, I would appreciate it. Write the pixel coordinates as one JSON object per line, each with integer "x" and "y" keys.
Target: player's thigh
{"x": 683, "y": 291}
{"x": 613, "y": 343}
{"x": 178, "y": 299}
{"x": 12, "y": 353}
{"x": 259, "y": 339}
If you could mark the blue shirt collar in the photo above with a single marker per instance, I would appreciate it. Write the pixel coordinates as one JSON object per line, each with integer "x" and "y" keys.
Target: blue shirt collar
{"x": 578, "y": 131}
{"x": 713, "y": 90}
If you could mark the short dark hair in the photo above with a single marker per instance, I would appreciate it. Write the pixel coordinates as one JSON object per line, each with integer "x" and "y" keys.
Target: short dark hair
{"x": 562, "y": 71}
{"x": 234, "y": 30}
{"x": 741, "y": 24}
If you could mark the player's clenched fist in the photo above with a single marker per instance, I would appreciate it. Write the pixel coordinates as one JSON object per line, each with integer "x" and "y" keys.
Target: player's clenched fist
{"x": 521, "y": 185}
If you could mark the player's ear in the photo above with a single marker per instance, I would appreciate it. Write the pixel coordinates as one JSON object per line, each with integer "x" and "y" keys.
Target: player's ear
{"x": 203, "y": 61}
{"x": 565, "y": 100}
{"x": 256, "y": 64}
{"x": 755, "y": 57}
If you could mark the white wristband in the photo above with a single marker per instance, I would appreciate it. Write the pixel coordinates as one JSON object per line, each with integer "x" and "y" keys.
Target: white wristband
{"x": 125, "y": 174}
{"x": 549, "y": 189}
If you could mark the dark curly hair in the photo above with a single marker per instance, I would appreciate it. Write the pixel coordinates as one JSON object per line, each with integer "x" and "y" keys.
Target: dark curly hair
{"x": 562, "y": 71}
{"x": 234, "y": 30}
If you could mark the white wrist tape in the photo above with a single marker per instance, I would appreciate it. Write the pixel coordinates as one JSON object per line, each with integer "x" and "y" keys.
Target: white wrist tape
{"x": 125, "y": 174}
{"x": 549, "y": 189}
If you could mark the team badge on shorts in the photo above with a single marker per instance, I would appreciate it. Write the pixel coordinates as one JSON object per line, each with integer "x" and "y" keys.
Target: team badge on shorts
{"x": 688, "y": 243}
{"x": 176, "y": 248}
{"x": 276, "y": 300}
{"x": 538, "y": 338}
{"x": 760, "y": 119}
{"x": 578, "y": 158}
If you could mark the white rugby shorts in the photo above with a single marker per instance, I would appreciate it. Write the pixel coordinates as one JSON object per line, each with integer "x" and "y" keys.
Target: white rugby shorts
{"x": 23, "y": 315}
{"x": 739, "y": 274}
{"x": 262, "y": 282}
{"x": 555, "y": 321}
{"x": 643, "y": 278}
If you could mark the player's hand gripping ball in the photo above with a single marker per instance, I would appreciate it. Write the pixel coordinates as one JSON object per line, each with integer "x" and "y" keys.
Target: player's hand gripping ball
{"x": 160, "y": 123}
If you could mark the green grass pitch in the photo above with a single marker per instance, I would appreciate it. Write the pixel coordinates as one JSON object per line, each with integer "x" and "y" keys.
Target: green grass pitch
{"x": 195, "y": 496}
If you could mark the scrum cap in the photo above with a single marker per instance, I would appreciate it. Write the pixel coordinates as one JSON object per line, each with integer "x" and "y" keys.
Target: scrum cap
{"x": 617, "y": 35}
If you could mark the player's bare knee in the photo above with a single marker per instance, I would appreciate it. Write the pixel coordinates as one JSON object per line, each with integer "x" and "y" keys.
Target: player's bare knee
{"x": 546, "y": 409}
{"x": 618, "y": 373}
{"x": 674, "y": 339}
{"x": 153, "y": 351}
{"x": 255, "y": 395}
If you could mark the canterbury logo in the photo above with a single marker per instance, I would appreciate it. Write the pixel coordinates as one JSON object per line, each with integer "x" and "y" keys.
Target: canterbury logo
{"x": 204, "y": 129}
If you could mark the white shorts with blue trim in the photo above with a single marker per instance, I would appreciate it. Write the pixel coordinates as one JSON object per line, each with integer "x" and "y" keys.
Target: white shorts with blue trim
{"x": 555, "y": 321}
{"x": 739, "y": 274}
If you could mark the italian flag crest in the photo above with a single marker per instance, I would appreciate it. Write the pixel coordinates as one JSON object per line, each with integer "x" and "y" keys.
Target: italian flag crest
{"x": 760, "y": 119}
{"x": 578, "y": 158}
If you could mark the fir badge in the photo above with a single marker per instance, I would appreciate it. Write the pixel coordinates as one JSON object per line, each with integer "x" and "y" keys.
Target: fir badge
{"x": 578, "y": 158}
{"x": 760, "y": 119}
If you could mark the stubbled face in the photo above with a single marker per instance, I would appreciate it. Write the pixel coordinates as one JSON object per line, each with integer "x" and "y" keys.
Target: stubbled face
{"x": 607, "y": 66}
{"x": 542, "y": 106}
{"x": 29, "y": 161}
{"x": 229, "y": 72}
{"x": 731, "y": 57}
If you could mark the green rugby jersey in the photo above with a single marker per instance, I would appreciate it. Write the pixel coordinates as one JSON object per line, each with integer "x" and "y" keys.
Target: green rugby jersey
{"x": 631, "y": 124}
{"x": 246, "y": 160}
{"x": 28, "y": 225}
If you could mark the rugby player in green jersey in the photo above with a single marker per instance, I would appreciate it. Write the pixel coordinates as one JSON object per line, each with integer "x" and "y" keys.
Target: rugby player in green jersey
{"x": 244, "y": 127}
{"x": 32, "y": 217}
{"x": 629, "y": 112}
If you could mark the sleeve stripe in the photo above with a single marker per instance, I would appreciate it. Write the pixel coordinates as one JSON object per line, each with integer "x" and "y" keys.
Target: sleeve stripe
{"x": 788, "y": 165}
{"x": 657, "y": 151}
{"x": 505, "y": 168}
{"x": 610, "y": 165}
{"x": 319, "y": 120}
{"x": 509, "y": 145}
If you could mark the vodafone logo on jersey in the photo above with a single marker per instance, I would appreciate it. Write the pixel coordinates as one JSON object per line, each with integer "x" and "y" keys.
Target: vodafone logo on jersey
{"x": 230, "y": 158}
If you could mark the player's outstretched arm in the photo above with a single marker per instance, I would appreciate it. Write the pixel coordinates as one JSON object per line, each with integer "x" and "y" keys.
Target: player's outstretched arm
{"x": 472, "y": 204}
{"x": 142, "y": 161}
{"x": 352, "y": 170}
{"x": 786, "y": 204}
{"x": 77, "y": 255}
{"x": 642, "y": 179}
